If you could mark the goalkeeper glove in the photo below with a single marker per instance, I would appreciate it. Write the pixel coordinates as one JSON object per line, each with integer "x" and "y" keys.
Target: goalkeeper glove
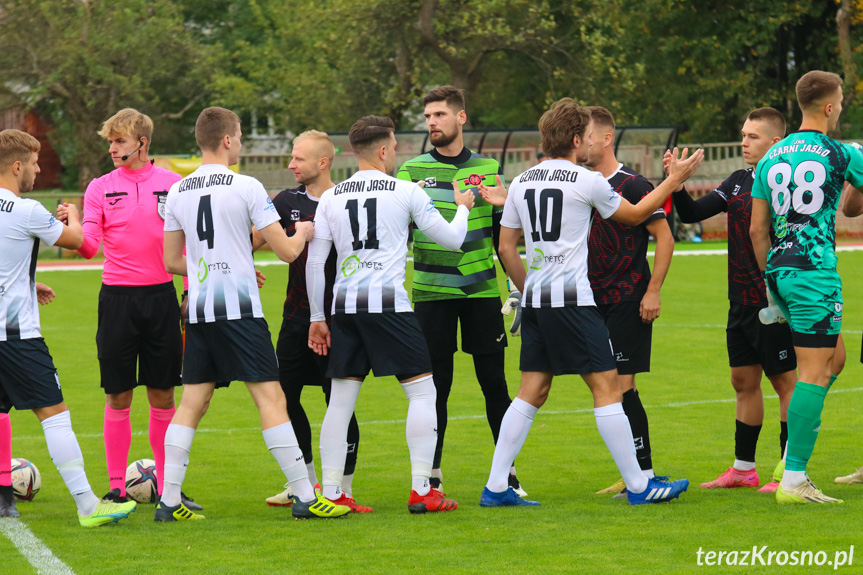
{"x": 513, "y": 302}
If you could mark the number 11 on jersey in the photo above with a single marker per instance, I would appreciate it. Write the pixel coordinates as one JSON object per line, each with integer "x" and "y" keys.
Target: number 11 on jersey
{"x": 371, "y": 206}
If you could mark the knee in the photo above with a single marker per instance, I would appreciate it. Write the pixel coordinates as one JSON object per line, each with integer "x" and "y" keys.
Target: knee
{"x": 745, "y": 385}
{"x": 161, "y": 398}
{"x": 536, "y": 397}
{"x": 119, "y": 400}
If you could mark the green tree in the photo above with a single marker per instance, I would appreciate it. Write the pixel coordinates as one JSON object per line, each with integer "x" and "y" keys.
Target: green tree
{"x": 79, "y": 61}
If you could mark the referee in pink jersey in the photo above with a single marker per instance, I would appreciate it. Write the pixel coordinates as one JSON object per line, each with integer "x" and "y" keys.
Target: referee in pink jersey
{"x": 138, "y": 336}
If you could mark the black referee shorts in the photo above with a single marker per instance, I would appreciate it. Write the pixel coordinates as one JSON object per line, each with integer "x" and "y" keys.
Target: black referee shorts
{"x": 482, "y": 329}
{"x": 750, "y": 342}
{"x": 229, "y": 350}
{"x": 387, "y": 343}
{"x": 138, "y": 338}
{"x": 630, "y": 337}
{"x": 564, "y": 340}
{"x": 28, "y": 379}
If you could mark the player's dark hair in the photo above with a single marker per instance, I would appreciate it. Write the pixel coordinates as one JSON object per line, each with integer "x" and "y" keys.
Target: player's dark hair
{"x": 214, "y": 124}
{"x": 770, "y": 116}
{"x": 16, "y": 146}
{"x": 815, "y": 86}
{"x": 452, "y": 96}
{"x": 601, "y": 116}
{"x": 565, "y": 120}
{"x": 368, "y": 131}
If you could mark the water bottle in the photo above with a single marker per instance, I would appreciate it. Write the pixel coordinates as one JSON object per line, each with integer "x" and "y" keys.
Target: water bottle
{"x": 770, "y": 315}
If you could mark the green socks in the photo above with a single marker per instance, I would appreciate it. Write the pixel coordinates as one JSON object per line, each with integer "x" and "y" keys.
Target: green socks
{"x": 804, "y": 422}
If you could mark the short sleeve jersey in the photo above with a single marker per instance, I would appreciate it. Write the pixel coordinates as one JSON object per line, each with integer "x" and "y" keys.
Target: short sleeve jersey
{"x": 24, "y": 223}
{"x": 367, "y": 217}
{"x": 801, "y": 178}
{"x": 299, "y": 206}
{"x": 617, "y": 263}
{"x": 553, "y": 203}
{"x": 469, "y": 272}
{"x": 216, "y": 209}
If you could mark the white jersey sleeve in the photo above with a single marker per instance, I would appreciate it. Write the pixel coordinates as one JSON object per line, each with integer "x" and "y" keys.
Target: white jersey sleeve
{"x": 510, "y": 217}
{"x": 44, "y": 225}
{"x": 428, "y": 219}
{"x": 603, "y": 197}
{"x": 262, "y": 212}
{"x": 319, "y": 251}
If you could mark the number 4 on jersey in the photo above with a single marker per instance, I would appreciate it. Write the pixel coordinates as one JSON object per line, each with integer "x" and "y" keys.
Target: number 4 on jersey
{"x": 205, "y": 221}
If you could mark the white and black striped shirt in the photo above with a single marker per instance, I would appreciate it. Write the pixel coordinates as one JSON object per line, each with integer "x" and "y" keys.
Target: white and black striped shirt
{"x": 367, "y": 218}
{"x": 553, "y": 202}
{"x": 216, "y": 209}
{"x": 23, "y": 224}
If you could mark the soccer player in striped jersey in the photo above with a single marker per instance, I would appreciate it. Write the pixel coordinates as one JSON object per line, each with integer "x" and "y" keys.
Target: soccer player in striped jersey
{"x": 625, "y": 291}
{"x": 459, "y": 288}
{"x": 311, "y": 159}
{"x": 212, "y": 213}
{"x": 367, "y": 218}
{"x": 795, "y": 196}
{"x": 562, "y": 330}
{"x": 28, "y": 379}
{"x": 753, "y": 348}
{"x": 138, "y": 336}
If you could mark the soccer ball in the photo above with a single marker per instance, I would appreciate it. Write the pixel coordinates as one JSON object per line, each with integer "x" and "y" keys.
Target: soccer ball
{"x": 26, "y": 479}
{"x": 141, "y": 481}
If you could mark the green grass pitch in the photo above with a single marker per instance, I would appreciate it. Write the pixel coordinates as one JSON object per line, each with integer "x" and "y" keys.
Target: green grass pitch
{"x": 689, "y": 402}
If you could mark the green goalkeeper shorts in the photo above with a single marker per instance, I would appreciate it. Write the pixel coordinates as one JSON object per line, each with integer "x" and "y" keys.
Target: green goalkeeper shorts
{"x": 812, "y": 303}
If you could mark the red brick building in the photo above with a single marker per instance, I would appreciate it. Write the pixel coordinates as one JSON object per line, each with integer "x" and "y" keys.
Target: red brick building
{"x": 49, "y": 160}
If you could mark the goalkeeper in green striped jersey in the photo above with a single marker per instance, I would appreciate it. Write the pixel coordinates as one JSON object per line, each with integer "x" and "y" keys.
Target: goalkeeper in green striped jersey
{"x": 452, "y": 288}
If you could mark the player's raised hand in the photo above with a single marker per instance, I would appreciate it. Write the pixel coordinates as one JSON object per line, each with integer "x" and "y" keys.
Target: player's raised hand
{"x": 683, "y": 166}
{"x": 462, "y": 198}
{"x": 305, "y": 228}
{"x": 496, "y": 194}
{"x": 666, "y": 166}
{"x": 44, "y": 294}
{"x": 319, "y": 337}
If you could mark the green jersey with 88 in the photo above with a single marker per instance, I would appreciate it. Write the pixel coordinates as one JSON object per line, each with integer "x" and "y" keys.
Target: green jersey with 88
{"x": 801, "y": 177}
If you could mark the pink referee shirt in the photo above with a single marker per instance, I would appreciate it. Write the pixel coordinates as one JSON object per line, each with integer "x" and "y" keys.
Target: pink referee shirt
{"x": 124, "y": 210}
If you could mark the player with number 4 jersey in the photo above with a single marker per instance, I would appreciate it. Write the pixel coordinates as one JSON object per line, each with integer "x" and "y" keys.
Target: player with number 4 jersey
{"x": 795, "y": 195}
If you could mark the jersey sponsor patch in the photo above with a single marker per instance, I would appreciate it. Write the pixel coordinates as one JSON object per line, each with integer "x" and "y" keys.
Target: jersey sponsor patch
{"x": 161, "y": 197}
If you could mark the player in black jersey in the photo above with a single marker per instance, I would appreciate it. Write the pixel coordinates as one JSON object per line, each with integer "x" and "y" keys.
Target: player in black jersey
{"x": 311, "y": 160}
{"x": 626, "y": 293}
{"x": 753, "y": 348}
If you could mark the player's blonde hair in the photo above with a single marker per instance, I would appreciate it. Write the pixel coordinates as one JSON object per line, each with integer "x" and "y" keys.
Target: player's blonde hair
{"x": 321, "y": 142}
{"x": 16, "y": 146}
{"x": 128, "y": 122}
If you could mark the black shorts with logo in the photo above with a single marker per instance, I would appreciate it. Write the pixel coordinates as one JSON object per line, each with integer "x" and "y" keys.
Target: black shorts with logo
{"x": 750, "y": 342}
{"x": 138, "y": 337}
{"x": 28, "y": 379}
{"x": 630, "y": 337}
{"x": 565, "y": 340}
{"x": 482, "y": 330}
{"x": 387, "y": 343}
{"x": 229, "y": 350}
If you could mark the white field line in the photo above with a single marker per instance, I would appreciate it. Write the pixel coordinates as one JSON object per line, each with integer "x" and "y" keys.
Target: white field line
{"x": 541, "y": 412}
{"x": 51, "y": 267}
{"x": 32, "y": 548}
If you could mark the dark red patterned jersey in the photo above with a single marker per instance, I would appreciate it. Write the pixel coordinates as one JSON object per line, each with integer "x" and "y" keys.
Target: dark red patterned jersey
{"x": 617, "y": 253}
{"x": 734, "y": 196}
{"x": 298, "y": 206}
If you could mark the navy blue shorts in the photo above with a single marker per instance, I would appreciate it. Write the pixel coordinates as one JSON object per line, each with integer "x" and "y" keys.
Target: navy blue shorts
{"x": 229, "y": 350}
{"x": 387, "y": 343}
{"x": 565, "y": 340}
{"x": 28, "y": 379}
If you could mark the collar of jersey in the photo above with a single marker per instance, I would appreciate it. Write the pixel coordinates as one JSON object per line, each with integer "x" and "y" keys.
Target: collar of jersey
{"x": 138, "y": 175}
{"x": 462, "y": 157}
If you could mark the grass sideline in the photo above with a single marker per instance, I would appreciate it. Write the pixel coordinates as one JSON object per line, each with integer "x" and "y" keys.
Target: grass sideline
{"x": 687, "y": 396}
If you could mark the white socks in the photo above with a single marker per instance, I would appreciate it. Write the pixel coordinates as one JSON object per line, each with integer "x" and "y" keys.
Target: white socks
{"x": 66, "y": 454}
{"x": 310, "y": 469}
{"x": 421, "y": 430}
{"x": 334, "y": 434}
{"x": 513, "y": 432}
{"x": 178, "y": 443}
{"x": 282, "y": 443}
{"x": 743, "y": 465}
{"x": 617, "y": 434}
